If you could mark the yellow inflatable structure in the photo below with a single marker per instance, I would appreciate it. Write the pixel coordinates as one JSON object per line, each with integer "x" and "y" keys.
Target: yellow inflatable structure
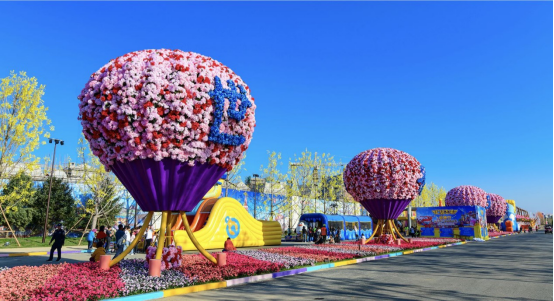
{"x": 217, "y": 219}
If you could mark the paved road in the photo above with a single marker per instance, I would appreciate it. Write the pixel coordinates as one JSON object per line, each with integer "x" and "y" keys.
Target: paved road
{"x": 517, "y": 267}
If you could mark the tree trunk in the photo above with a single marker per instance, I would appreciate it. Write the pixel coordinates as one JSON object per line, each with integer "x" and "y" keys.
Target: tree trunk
{"x": 94, "y": 221}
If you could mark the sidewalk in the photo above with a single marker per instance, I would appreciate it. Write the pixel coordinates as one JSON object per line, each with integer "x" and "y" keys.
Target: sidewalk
{"x": 39, "y": 250}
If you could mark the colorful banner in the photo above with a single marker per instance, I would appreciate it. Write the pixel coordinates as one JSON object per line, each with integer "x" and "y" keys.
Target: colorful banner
{"x": 453, "y": 221}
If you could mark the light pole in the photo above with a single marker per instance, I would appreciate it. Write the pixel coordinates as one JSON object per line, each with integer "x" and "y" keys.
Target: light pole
{"x": 56, "y": 141}
{"x": 256, "y": 176}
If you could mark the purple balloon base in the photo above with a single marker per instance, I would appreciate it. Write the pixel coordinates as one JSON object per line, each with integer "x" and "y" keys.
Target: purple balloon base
{"x": 385, "y": 208}
{"x": 493, "y": 219}
{"x": 167, "y": 185}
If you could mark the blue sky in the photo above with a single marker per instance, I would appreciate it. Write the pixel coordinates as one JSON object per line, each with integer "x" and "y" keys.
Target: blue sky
{"x": 465, "y": 87}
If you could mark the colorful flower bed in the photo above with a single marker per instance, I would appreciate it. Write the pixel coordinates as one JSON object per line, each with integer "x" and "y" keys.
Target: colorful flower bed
{"x": 495, "y": 234}
{"x": 286, "y": 260}
{"x": 135, "y": 276}
{"x": 171, "y": 257}
{"x": 86, "y": 281}
{"x": 199, "y": 268}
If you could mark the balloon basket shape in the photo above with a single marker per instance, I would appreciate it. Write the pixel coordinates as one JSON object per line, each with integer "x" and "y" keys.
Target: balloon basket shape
{"x": 164, "y": 236}
{"x": 494, "y": 226}
{"x": 386, "y": 210}
{"x": 493, "y": 219}
{"x": 166, "y": 186}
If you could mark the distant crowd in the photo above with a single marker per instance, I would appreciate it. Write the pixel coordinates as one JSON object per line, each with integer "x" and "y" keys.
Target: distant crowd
{"x": 111, "y": 240}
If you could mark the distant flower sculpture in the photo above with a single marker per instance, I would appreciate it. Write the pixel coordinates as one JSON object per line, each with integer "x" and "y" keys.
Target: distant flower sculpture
{"x": 169, "y": 124}
{"x": 384, "y": 181}
{"x": 466, "y": 196}
{"x": 497, "y": 208}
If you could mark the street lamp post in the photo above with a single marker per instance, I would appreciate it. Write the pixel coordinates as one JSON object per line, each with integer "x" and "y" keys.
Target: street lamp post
{"x": 56, "y": 141}
{"x": 256, "y": 176}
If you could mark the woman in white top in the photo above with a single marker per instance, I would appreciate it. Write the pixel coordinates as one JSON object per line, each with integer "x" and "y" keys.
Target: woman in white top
{"x": 127, "y": 238}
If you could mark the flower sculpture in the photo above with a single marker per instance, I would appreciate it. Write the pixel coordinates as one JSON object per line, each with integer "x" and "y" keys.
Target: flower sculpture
{"x": 171, "y": 257}
{"x": 384, "y": 181}
{"x": 497, "y": 208}
{"x": 169, "y": 124}
{"x": 466, "y": 196}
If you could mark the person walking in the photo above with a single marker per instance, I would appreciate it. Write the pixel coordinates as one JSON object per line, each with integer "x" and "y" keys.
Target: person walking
{"x": 323, "y": 234}
{"x": 127, "y": 237}
{"x": 304, "y": 234}
{"x": 109, "y": 235}
{"x": 59, "y": 239}
{"x": 120, "y": 240}
{"x": 133, "y": 236}
{"x": 412, "y": 232}
{"x": 406, "y": 230}
{"x": 363, "y": 239}
{"x": 90, "y": 238}
{"x": 148, "y": 240}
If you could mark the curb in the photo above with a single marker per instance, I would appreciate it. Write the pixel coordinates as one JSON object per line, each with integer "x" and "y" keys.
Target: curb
{"x": 258, "y": 278}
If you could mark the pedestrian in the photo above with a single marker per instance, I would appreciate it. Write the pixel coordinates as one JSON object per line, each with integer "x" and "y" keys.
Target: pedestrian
{"x": 331, "y": 239}
{"x": 108, "y": 240}
{"x": 412, "y": 231}
{"x": 127, "y": 237}
{"x": 90, "y": 238}
{"x": 323, "y": 233}
{"x": 95, "y": 256}
{"x": 133, "y": 236}
{"x": 228, "y": 246}
{"x": 363, "y": 239}
{"x": 337, "y": 237}
{"x": 406, "y": 230}
{"x": 148, "y": 241}
{"x": 59, "y": 239}
{"x": 304, "y": 234}
{"x": 120, "y": 240}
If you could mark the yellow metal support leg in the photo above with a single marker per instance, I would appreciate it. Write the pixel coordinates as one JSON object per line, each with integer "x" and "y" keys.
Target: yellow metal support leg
{"x": 135, "y": 242}
{"x": 374, "y": 232}
{"x": 193, "y": 239}
{"x": 161, "y": 236}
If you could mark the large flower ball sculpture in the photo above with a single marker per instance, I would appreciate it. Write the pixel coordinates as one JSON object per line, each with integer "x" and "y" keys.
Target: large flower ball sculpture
{"x": 168, "y": 124}
{"x": 497, "y": 208}
{"x": 466, "y": 195}
{"x": 384, "y": 181}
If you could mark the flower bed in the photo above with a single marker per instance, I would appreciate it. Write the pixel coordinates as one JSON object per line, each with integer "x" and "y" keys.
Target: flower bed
{"x": 135, "y": 276}
{"x": 19, "y": 282}
{"x": 286, "y": 260}
{"x": 202, "y": 270}
{"x": 81, "y": 281}
{"x": 316, "y": 254}
{"x": 495, "y": 234}
{"x": 86, "y": 281}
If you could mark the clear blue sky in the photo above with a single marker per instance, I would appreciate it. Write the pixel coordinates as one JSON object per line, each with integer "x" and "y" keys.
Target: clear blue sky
{"x": 465, "y": 87}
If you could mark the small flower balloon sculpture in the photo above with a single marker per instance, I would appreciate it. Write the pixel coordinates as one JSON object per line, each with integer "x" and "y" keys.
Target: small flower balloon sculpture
{"x": 497, "y": 208}
{"x": 384, "y": 181}
{"x": 466, "y": 196}
{"x": 169, "y": 124}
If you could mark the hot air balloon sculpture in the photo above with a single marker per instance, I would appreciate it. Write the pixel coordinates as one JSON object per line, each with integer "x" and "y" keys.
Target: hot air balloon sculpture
{"x": 466, "y": 195}
{"x": 168, "y": 124}
{"x": 384, "y": 181}
{"x": 497, "y": 208}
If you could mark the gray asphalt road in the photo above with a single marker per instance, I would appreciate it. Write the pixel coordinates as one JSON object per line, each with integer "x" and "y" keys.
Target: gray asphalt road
{"x": 517, "y": 267}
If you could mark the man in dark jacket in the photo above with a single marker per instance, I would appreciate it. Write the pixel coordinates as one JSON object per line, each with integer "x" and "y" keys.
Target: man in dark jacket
{"x": 59, "y": 239}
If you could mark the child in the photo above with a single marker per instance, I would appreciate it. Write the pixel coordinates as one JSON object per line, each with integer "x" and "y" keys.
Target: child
{"x": 331, "y": 240}
{"x": 100, "y": 250}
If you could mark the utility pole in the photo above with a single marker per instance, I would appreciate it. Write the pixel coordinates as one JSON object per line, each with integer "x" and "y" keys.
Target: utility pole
{"x": 56, "y": 141}
{"x": 256, "y": 176}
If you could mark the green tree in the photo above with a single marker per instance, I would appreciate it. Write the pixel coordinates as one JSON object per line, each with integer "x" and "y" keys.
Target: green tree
{"x": 19, "y": 191}
{"x": 63, "y": 206}
{"x": 102, "y": 187}
{"x": 275, "y": 179}
{"x": 233, "y": 176}
{"x": 430, "y": 196}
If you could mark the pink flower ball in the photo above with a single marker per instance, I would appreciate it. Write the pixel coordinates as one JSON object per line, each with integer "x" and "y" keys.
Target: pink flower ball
{"x": 382, "y": 173}
{"x": 466, "y": 196}
{"x": 498, "y": 205}
{"x": 157, "y": 104}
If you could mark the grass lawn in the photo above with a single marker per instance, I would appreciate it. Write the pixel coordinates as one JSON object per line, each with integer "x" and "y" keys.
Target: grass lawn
{"x": 36, "y": 241}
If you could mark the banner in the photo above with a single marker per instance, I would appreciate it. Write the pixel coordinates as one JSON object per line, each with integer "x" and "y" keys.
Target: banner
{"x": 451, "y": 221}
